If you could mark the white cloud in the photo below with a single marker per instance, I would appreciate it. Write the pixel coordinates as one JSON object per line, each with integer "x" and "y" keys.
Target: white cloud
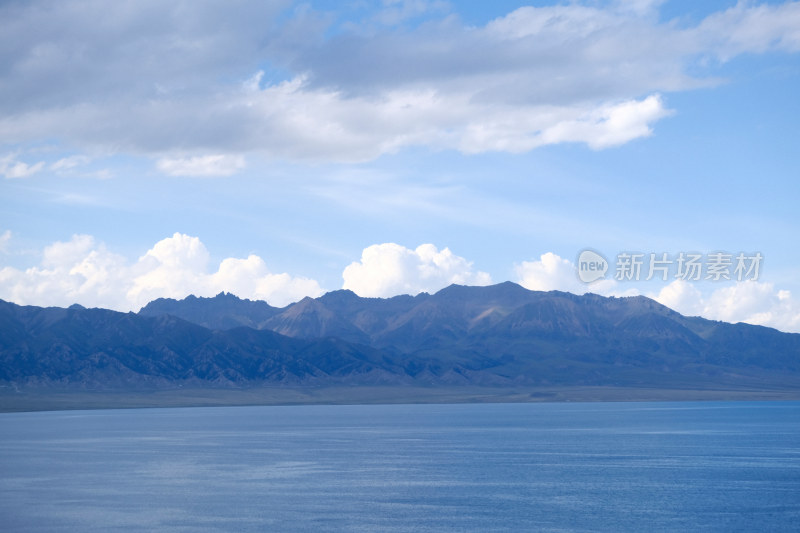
{"x": 753, "y": 302}
{"x": 683, "y": 297}
{"x": 610, "y": 125}
{"x": 536, "y": 76}
{"x": 83, "y": 271}
{"x": 750, "y": 28}
{"x": 251, "y": 276}
{"x": 175, "y": 267}
{"x": 78, "y": 270}
{"x": 304, "y": 122}
{"x": 549, "y": 273}
{"x": 206, "y": 165}
{"x": 11, "y": 168}
{"x": 70, "y": 252}
{"x": 748, "y": 301}
{"x": 68, "y": 163}
{"x": 554, "y": 273}
{"x": 389, "y": 269}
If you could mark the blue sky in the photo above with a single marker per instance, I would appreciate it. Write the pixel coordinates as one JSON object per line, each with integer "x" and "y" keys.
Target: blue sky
{"x": 282, "y": 149}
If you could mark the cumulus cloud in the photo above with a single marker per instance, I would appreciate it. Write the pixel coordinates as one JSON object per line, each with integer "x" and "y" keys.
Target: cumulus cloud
{"x": 173, "y": 268}
{"x": 251, "y": 276}
{"x": 79, "y": 270}
{"x": 167, "y": 79}
{"x": 549, "y": 273}
{"x": 84, "y": 271}
{"x": 683, "y": 297}
{"x": 554, "y": 273}
{"x": 389, "y": 269}
{"x": 752, "y": 302}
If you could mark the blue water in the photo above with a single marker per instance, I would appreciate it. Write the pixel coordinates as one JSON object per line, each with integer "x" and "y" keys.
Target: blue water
{"x": 403, "y": 468}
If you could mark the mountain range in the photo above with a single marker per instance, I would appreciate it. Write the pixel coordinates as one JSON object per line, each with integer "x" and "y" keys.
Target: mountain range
{"x": 496, "y": 336}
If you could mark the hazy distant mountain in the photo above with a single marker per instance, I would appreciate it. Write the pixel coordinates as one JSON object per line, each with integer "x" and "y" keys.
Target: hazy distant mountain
{"x": 496, "y": 335}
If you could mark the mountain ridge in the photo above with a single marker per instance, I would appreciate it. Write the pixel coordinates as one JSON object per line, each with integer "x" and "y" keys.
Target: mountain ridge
{"x": 499, "y": 336}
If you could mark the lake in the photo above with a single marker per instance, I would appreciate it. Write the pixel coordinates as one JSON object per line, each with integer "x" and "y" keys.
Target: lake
{"x": 716, "y": 466}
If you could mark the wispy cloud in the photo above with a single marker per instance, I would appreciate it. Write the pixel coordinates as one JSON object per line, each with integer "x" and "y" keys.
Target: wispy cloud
{"x": 69, "y": 163}
{"x": 11, "y": 167}
{"x": 5, "y": 239}
{"x": 202, "y": 166}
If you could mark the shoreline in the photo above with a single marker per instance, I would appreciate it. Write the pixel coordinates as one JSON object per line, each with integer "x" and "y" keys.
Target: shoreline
{"x": 31, "y": 400}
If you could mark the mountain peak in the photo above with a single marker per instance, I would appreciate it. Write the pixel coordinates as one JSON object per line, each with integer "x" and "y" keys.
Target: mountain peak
{"x": 507, "y": 291}
{"x": 229, "y": 296}
{"x": 341, "y": 294}
{"x": 223, "y": 311}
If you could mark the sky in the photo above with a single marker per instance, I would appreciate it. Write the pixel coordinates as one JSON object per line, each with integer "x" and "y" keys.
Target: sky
{"x": 279, "y": 149}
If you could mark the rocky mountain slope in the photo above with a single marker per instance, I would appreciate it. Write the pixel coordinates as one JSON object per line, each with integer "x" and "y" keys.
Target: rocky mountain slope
{"x": 496, "y": 335}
